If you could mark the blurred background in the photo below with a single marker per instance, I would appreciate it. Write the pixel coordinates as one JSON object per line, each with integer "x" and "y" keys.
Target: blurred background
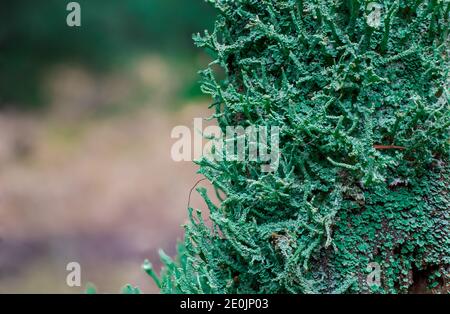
{"x": 85, "y": 119}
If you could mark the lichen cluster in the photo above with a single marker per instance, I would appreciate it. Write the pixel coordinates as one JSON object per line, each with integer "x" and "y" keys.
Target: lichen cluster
{"x": 360, "y": 91}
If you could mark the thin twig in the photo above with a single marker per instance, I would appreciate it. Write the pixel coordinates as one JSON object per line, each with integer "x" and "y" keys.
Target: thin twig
{"x": 192, "y": 189}
{"x": 381, "y": 147}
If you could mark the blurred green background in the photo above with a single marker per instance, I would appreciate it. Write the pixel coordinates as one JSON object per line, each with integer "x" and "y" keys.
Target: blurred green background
{"x": 86, "y": 115}
{"x": 34, "y": 36}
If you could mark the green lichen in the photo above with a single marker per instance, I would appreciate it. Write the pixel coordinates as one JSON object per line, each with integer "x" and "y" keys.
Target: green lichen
{"x": 360, "y": 91}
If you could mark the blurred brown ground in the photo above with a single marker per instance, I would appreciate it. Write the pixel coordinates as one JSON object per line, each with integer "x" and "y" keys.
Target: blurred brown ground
{"x": 98, "y": 189}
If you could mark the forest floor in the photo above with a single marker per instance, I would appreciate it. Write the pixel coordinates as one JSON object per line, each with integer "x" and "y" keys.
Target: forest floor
{"x": 97, "y": 189}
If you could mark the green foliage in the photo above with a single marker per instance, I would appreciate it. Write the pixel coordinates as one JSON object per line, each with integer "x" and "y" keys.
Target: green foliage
{"x": 129, "y": 289}
{"x": 362, "y": 101}
{"x": 91, "y": 289}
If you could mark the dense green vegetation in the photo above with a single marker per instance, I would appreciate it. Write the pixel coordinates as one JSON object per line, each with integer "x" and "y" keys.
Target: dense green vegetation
{"x": 361, "y": 93}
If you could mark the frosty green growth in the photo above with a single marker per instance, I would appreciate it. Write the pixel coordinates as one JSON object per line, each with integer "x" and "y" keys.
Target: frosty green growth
{"x": 360, "y": 92}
